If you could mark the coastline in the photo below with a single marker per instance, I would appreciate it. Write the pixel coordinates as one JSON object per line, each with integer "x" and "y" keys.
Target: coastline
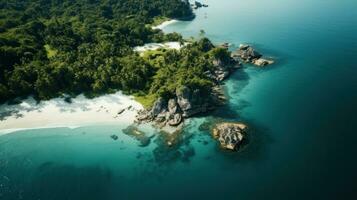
{"x": 57, "y": 113}
{"x": 165, "y": 23}
{"x": 81, "y": 111}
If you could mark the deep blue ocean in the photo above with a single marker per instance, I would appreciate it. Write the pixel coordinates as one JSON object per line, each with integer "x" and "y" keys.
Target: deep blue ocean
{"x": 302, "y": 113}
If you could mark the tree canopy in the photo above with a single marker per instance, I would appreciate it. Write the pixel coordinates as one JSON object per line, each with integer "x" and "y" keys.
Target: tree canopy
{"x": 54, "y": 47}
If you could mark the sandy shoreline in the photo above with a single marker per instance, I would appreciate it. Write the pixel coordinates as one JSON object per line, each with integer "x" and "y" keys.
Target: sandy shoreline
{"x": 155, "y": 46}
{"x": 164, "y": 24}
{"x": 58, "y": 113}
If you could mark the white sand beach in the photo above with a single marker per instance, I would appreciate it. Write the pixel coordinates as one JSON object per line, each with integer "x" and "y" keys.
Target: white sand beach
{"x": 164, "y": 24}
{"x": 81, "y": 111}
{"x": 155, "y": 46}
{"x": 58, "y": 113}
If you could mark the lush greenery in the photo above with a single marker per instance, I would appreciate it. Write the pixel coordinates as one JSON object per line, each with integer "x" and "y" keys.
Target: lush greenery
{"x": 53, "y": 47}
{"x": 187, "y": 67}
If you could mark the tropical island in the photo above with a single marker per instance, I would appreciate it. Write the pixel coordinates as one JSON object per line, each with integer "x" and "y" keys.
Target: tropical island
{"x": 51, "y": 49}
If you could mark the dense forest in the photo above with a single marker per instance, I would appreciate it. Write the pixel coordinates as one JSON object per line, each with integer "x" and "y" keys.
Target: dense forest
{"x": 53, "y": 47}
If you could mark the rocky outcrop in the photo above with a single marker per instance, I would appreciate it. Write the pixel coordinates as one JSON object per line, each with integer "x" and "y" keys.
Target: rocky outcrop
{"x": 188, "y": 101}
{"x": 198, "y": 5}
{"x": 229, "y": 135}
{"x": 261, "y": 62}
{"x": 192, "y": 102}
{"x": 142, "y": 138}
{"x": 224, "y": 69}
{"x": 114, "y": 137}
{"x": 247, "y": 54}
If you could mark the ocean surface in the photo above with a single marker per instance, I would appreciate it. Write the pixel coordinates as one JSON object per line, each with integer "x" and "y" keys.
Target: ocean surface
{"x": 301, "y": 112}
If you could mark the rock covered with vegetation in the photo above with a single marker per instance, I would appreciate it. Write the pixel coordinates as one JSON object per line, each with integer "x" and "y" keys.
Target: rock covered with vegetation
{"x": 187, "y": 84}
{"x": 229, "y": 135}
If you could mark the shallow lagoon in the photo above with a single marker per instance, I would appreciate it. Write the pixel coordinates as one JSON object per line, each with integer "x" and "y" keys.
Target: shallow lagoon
{"x": 301, "y": 113}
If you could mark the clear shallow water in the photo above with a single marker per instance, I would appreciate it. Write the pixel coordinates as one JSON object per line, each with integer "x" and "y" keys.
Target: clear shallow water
{"x": 301, "y": 112}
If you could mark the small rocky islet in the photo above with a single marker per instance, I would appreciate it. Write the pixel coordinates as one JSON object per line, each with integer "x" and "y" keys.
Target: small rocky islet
{"x": 247, "y": 54}
{"x": 229, "y": 135}
{"x": 187, "y": 102}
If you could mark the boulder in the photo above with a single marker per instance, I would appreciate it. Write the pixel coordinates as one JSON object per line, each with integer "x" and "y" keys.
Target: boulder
{"x": 184, "y": 98}
{"x": 175, "y": 120}
{"x": 247, "y": 54}
{"x": 223, "y": 69}
{"x": 160, "y": 106}
{"x": 121, "y": 111}
{"x": 198, "y": 5}
{"x": 243, "y": 46}
{"x": 229, "y": 135}
{"x": 261, "y": 62}
{"x": 143, "y": 115}
{"x": 172, "y": 106}
{"x": 191, "y": 102}
{"x": 114, "y": 137}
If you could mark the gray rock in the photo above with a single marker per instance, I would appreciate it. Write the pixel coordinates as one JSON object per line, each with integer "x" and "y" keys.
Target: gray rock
{"x": 223, "y": 69}
{"x": 173, "y": 106}
{"x": 192, "y": 102}
{"x": 176, "y": 120}
{"x": 121, "y": 111}
{"x": 261, "y": 62}
{"x": 184, "y": 98}
{"x": 160, "y": 106}
{"x": 114, "y": 137}
{"x": 247, "y": 54}
{"x": 229, "y": 135}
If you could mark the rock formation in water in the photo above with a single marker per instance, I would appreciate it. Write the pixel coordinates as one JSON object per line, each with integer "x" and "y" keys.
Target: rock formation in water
{"x": 229, "y": 135}
{"x": 247, "y": 54}
{"x": 187, "y": 101}
{"x": 133, "y": 131}
{"x": 198, "y": 5}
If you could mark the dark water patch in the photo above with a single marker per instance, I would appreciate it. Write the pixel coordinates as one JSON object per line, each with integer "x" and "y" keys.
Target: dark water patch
{"x": 254, "y": 148}
{"x": 173, "y": 147}
{"x": 143, "y": 138}
{"x": 114, "y": 137}
{"x": 53, "y": 181}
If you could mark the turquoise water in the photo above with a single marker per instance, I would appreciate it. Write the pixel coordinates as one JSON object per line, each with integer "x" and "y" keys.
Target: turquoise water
{"x": 301, "y": 112}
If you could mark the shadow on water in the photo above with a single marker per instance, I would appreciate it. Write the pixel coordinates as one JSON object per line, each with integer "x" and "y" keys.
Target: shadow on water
{"x": 232, "y": 87}
{"x": 168, "y": 150}
{"x": 253, "y": 148}
{"x": 53, "y": 181}
{"x": 279, "y": 56}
